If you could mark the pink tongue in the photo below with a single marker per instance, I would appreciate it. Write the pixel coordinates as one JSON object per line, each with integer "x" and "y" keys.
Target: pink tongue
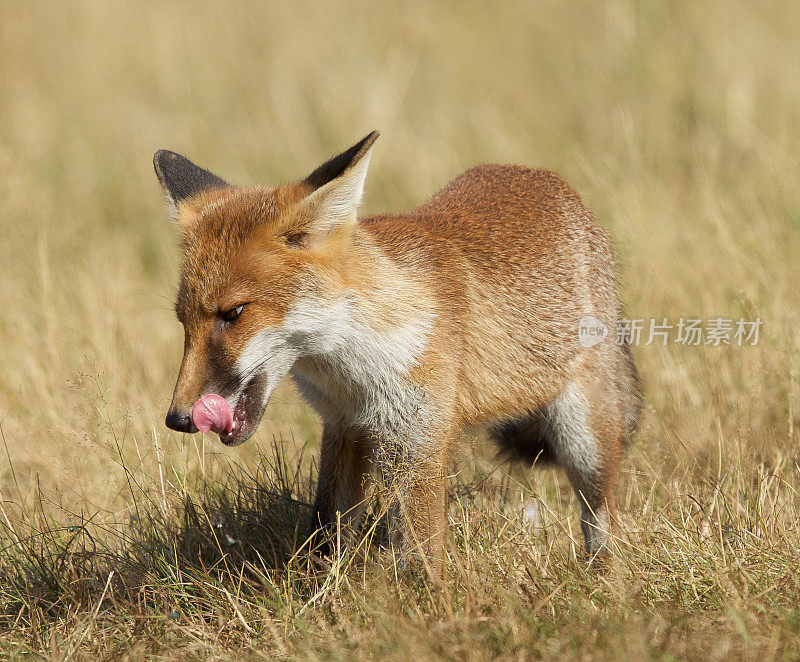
{"x": 212, "y": 413}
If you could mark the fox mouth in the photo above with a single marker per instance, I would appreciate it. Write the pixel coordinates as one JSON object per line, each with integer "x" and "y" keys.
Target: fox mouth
{"x": 247, "y": 414}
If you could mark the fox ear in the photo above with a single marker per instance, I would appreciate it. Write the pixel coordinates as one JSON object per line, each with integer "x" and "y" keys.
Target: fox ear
{"x": 181, "y": 179}
{"x": 337, "y": 186}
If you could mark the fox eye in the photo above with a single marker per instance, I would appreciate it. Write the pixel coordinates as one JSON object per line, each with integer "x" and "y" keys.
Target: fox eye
{"x": 232, "y": 313}
{"x": 296, "y": 239}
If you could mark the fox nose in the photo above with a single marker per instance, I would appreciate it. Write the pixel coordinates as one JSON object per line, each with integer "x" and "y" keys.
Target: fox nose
{"x": 180, "y": 421}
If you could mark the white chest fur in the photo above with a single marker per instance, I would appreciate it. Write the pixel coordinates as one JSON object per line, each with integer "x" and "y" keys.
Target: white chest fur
{"x": 356, "y": 373}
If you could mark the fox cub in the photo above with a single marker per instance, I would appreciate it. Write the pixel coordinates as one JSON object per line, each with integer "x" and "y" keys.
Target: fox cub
{"x": 402, "y": 330}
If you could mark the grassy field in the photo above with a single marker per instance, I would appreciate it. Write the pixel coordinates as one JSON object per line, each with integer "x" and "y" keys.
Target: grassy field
{"x": 678, "y": 122}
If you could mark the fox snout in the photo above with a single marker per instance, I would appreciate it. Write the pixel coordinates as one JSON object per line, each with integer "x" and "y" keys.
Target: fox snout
{"x": 216, "y": 398}
{"x": 197, "y": 392}
{"x": 192, "y": 378}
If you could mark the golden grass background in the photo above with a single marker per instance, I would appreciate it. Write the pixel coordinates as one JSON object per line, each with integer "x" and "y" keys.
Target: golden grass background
{"x": 678, "y": 123}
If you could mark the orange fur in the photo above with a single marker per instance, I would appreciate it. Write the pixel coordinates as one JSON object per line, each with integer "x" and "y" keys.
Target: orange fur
{"x": 463, "y": 311}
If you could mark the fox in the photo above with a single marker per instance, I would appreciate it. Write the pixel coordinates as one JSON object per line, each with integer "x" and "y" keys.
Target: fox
{"x": 404, "y": 331}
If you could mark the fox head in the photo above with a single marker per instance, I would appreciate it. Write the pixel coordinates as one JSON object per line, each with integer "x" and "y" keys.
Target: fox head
{"x": 250, "y": 255}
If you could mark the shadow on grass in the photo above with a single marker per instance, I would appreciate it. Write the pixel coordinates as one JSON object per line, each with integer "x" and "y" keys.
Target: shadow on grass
{"x": 251, "y": 519}
{"x": 242, "y": 534}
{"x": 244, "y": 531}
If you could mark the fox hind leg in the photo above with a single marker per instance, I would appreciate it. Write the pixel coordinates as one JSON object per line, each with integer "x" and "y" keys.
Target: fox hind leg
{"x": 577, "y": 433}
{"x": 586, "y": 445}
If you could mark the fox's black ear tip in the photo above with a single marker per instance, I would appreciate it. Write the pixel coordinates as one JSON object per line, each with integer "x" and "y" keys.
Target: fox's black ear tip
{"x": 180, "y": 177}
{"x": 365, "y": 143}
{"x": 162, "y": 158}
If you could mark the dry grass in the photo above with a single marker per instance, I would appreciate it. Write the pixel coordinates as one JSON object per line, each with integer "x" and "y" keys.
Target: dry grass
{"x": 678, "y": 123}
